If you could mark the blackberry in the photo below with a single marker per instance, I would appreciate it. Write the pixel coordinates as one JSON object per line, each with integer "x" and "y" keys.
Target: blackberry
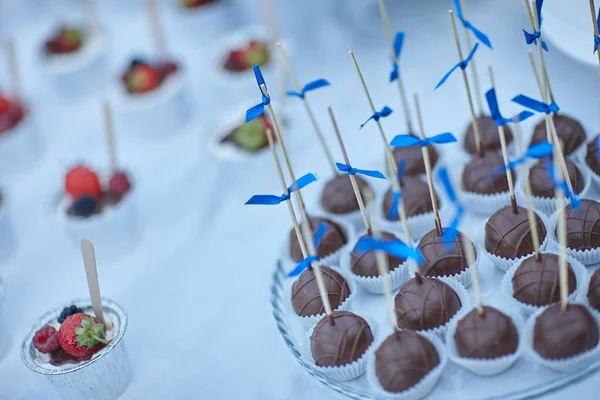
{"x": 84, "y": 206}
{"x": 137, "y": 61}
{"x": 67, "y": 312}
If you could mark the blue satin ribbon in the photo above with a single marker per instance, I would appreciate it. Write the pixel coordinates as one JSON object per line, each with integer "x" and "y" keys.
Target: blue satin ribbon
{"x": 258, "y": 109}
{"x": 597, "y": 38}
{"x": 598, "y": 147}
{"x": 461, "y": 65}
{"x": 492, "y": 102}
{"x": 536, "y": 151}
{"x": 451, "y": 231}
{"x": 353, "y": 171}
{"x": 409, "y": 140}
{"x": 397, "y": 196}
{"x": 395, "y": 248}
{"x": 535, "y": 105}
{"x": 478, "y": 34}
{"x": 398, "y": 42}
{"x": 533, "y": 37}
{"x": 269, "y": 199}
{"x": 302, "y": 265}
{"x": 385, "y": 111}
{"x": 562, "y": 185}
{"x": 314, "y": 85}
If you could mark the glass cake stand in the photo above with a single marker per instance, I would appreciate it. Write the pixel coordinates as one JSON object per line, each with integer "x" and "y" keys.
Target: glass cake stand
{"x": 353, "y": 390}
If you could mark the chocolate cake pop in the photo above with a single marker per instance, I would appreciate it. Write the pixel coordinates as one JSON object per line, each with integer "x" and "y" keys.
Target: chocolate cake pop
{"x": 443, "y": 259}
{"x": 415, "y": 195}
{"x": 583, "y": 225}
{"x": 364, "y": 263}
{"x": 425, "y": 303}
{"x": 569, "y": 131}
{"x": 338, "y": 195}
{"x": 333, "y": 239}
{"x": 591, "y": 156}
{"x": 593, "y": 294}
{"x": 488, "y": 132}
{"x": 306, "y": 299}
{"x": 537, "y": 282}
{"x": 480, "y": 175}
{"x": 541, "y": 184}
{"x": 508, "y": 235}
{"x": 340, "y": 339}
{"x": 562, "y": 334}
{"x": 486, "y": 336}
{"x": 414, "y": 158}
{"x": 403, "y": 359}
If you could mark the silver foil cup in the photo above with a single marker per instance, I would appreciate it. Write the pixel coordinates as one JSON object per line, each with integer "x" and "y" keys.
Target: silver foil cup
{"x": 104, "y": 377}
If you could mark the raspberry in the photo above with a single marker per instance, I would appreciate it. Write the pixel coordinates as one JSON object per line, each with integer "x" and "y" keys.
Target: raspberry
{"x": 46, "y": 340}
{"x": 81, "y": 181}
{"x": 119, "y": 184}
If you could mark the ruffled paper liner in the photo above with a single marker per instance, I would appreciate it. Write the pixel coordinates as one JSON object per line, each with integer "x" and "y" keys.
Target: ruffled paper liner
{"x": 586, "y": 257}
{"x": 593, "y": 175}
{"x": 374, "y": 284}
{"x": 353, "y": 218}
{"x": 482, "y": 366}
{"x": 504, "y": 264}
{"x": 311, "y": 320}
{"x": 506, "y": 287}
{"x": 566, "y": 365}
{"x": 421, "y": 388}
{"x": 582, "y": 297}
{"x": 345, "y": 372}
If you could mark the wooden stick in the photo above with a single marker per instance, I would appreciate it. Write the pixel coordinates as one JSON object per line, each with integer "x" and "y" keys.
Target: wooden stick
{"x": 390, "y": 40}
{"x": 562, "y": 239}
{"x": 359, "y": 199}
{"x": 533, "y": 19}
{"x": 110, "y": 137}
{"x": 317, "y": 268}
{"x": 472, "y": 64}
{"x": 91, "y": 273}
{"x": 91, "y": 11}
{"x": 594, "y": 24}
{"x": 308, "y": 109}
{"x": 467, "y": 87}
{"x": 538, "y": 82}
{"x": 13, "y": 69}
{"x": 382, "y": 265}
{"x": 470, "y": 256}
{"x": 270, "y": 13}
{"x": 427, "y": 162}
{"x": 158, "y": 33}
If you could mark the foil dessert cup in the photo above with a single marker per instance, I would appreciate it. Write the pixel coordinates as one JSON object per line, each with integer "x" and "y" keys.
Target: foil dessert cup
{"x": 104, "y": 377}
{"x": 19, "y": 146}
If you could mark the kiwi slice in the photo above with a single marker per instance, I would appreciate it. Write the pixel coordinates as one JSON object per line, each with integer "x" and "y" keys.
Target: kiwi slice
{"x": 251, "y": 136}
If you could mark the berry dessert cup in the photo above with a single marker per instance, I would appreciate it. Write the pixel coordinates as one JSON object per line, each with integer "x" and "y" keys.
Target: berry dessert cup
{"x": 81, "y": 357}
{"x": 151, "y": 99}
{"x": 19, "y": 144}
{"x": 212, "y": 17}
{"x": 4, "y": 339}
{"x": 74, "y": 59}
{"x": 7, "y": 238}
{"x": 101, "y": 208}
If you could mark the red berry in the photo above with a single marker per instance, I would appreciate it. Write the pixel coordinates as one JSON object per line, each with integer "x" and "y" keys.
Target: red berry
{"x": 167, "y": 68}
{"x": 81, "y": 181}
{"x": 4, "y": 104}
{"x": 46, "y": 340}
{"x": 119, "y": 184}
{"x": 81, "y": 335}
{"x": 142, "y": 78}
{"x": 236, "y": 61}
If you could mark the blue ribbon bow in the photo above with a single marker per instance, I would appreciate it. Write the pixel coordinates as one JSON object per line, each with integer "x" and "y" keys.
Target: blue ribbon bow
{"x": 258, "y": 109}
{"x": 314, "y": 85}
{"x": 451, "y": 231}
{"x": 398, "y": 42}
{"x": 302, "y": 265}
{"x": 461, "y": 65}
{"x": 533, "y": 37}
{"x": 409, "y": 140}
{"x": 597, "y": 38}
{"x": 598, "y": 147}
{"x": 395, "y": 248}
{"x": 397, "y": 195}
{"x": 353, "y": 171}
{"x": 478, "y": 34}
{"x": 269, "y": 199}
{"x": 562, "y": 185}
{"x": 535, "y": 105}
{"x": 536, "y": 151}
{"x": 385, "y": 111}
{"x": 492, "y": 102}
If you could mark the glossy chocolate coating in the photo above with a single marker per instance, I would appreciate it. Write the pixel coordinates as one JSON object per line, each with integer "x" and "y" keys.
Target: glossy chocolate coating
{"x": 338, "y": 195}
{"x": 340, "y": 339}
{"x": 591, "y": 156}
{"x": 569, "y": 131}
{"x": 413, "y": 156}
{"x": 443, "y": 259}
{"x": 426, "y": 304}
{"x": 508, "y": 235}
{"x": 562, "y": 334}
{"x": 488, "y": 132}
{"x": 583, "y": 225}
{"x": 306, "y": 299}
{"x": 333, "y": 239}
{"x": 593, "y": 294}
{"x": 480, "y": 175}
{"x": 416, "y": 197}
{"x": 540, "y": 182}
{"x": 490, "y": 335}
{"x": 537, "y": 282}
{"x": 365, "y": 263}
{"x": 403, "y": 359}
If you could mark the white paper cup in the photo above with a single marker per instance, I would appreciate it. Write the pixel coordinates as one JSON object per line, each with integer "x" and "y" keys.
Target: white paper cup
{"x": 419, "y": 390}
{"x": 4, "y": 337}
{"x": 20, "y": 147}
{"x": 582, "y": 297}
{"x": 586, "y": 257}
{"x": 8, "y": 241}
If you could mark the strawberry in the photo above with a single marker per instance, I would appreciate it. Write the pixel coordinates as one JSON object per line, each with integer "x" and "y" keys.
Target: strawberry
{"x": 256, "y": 53}
{"x": 194, "y": 3}
{"x": 142, "y": 78}
{"x": 81, "y": 181}
{"x": 4, "y": 104}
{"x": 81, "y": 335}
{"x": 68, "y": 39}
{"x": 235, "y": 61}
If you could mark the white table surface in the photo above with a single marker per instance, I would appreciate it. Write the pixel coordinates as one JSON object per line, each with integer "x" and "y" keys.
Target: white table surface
{"x": 196, "y": 288}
